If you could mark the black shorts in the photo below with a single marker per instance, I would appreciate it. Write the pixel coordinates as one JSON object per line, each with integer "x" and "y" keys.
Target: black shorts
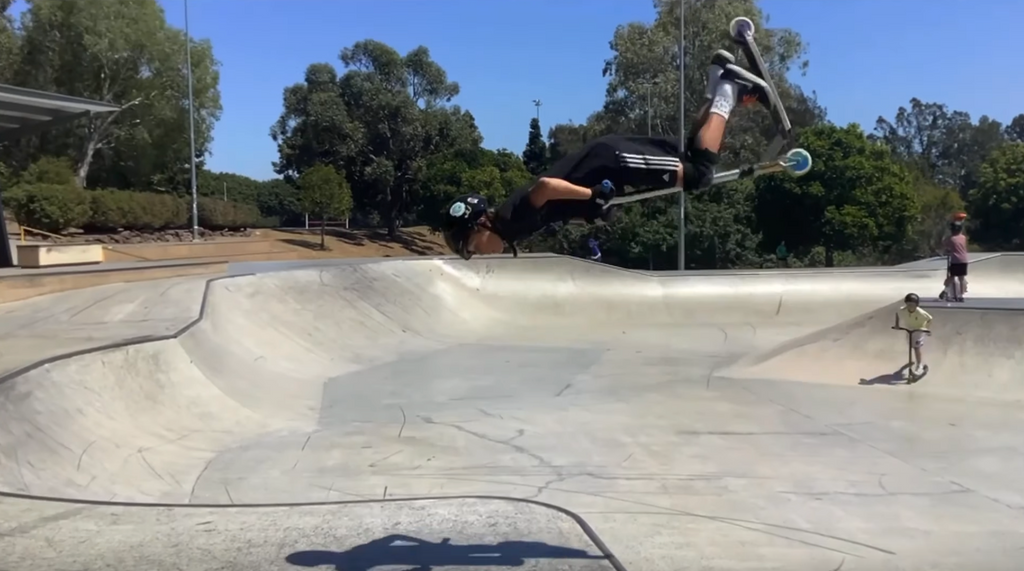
{"x": 630, "y": 163}
{"x": 958, "y": 270}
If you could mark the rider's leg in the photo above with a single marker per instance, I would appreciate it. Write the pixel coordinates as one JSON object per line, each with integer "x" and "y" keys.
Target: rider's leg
{"x": 735, "y": 86}
{"x": 654, "y": 162}
{"x": 958, "y": 274}
{"x": 918, "y": 340}
{"x": 721, "y": 59}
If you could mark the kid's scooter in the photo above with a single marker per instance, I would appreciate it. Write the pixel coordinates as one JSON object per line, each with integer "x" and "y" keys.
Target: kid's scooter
{"x": 912, "y": 377}
{"x": 951, "y": 287}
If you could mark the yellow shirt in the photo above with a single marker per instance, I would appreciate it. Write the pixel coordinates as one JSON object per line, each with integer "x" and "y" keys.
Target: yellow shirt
{"x": 919, "y": 319}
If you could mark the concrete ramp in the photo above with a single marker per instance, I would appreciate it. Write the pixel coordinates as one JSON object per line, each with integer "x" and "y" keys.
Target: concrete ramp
{"x": 973, "y": 352}
{"x": 712, "y": 420}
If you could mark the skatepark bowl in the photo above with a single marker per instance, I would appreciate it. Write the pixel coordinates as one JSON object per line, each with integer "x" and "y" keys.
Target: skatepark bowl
{"x": 533, "y": 413}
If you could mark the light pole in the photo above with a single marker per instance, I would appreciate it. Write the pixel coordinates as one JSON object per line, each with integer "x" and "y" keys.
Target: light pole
{"x": 191, "y": 128}
{"x": 648, "y": 109}
{"x": 537, "y": 104}
{"x": 648, "y": 86}
{"x": 682, "y": 129}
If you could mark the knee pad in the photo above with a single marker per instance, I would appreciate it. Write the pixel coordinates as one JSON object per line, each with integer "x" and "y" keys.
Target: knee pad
{"x": 699, "y": 169}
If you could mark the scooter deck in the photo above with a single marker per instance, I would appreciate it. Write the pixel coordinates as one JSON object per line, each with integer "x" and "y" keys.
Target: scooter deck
{"x": 784, "y": 163}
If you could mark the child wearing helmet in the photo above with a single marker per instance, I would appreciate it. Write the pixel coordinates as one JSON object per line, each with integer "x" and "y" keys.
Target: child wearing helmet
{"x": 917, "y": 320}
{"x": 581, "y": 185}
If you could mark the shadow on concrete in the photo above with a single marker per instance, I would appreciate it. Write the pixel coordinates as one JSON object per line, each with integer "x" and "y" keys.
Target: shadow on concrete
{"x": 421, "y": 555}
{"x": 894, "y": 378}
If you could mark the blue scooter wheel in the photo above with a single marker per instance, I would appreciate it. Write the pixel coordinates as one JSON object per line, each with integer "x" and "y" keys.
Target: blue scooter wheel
{"x": 798, "y": 162}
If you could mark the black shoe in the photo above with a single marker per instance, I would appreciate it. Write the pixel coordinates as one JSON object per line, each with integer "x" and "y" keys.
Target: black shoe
{"x": 721, "y": 59}
{"x": 752, "y": 89}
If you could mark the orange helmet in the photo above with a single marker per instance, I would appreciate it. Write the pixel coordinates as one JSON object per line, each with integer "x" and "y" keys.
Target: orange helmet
{"x": 959, "y": 216}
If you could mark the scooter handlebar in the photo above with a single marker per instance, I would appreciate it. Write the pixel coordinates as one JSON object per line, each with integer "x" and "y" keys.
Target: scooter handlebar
{"x": 926, "y": 331}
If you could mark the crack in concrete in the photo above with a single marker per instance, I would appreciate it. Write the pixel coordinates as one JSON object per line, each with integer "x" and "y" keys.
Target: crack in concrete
{"x": 521, "y": 450}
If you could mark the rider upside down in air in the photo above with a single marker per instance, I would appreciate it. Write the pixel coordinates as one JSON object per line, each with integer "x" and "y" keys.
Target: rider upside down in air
{"x": 573, "y": 187}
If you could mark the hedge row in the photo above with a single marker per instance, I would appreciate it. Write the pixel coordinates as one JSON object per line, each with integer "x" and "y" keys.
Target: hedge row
{"x": 58, "y": 208}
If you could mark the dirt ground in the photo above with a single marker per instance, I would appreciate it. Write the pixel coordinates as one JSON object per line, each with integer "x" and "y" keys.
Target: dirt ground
{"x": 370, "y": 243}
{"x": 340, "y": 242}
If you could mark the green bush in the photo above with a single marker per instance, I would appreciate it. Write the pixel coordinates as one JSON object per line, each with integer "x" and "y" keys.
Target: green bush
{"x": 215, "y": 214}
{"x": 49, "y": 170}
{"x": 49, "y": 207}
{"x": 143, "y": 211}
{"x": 159, "y": 211}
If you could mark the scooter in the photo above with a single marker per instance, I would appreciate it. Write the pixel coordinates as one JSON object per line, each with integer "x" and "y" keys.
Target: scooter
{"x": 912, "y": 377}
{"x": 951, "y": 287}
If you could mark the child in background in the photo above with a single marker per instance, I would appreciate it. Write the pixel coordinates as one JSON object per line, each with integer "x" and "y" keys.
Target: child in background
{"x": 956, "y": 249}
{"x": 917, "y": 320}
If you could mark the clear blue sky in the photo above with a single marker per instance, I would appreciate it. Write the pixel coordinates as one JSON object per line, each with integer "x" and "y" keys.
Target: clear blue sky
{"x": 867, "y": 57}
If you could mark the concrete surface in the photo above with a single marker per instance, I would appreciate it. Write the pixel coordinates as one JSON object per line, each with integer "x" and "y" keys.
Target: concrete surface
{"x": 19, "y": 284}
{"x": 711, "y": 421}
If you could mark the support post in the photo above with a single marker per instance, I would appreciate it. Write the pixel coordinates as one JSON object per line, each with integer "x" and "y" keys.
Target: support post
{"x": 682, "y": 129}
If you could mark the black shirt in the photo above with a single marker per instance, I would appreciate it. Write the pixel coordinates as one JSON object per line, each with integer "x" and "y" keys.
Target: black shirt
{"x": 517, "y": 218}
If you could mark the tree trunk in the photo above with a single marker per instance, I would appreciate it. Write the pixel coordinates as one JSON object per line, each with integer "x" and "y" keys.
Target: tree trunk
{"x": 323, "y": 231}
{"x": 830, "y": 257}
{"x": 392, "y": 226}
{"x": 92, "y": 143}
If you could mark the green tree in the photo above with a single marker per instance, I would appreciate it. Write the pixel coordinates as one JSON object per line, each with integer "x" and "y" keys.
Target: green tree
{"x": 10, "y": 43}
{"x": 485, "y": 181}
{"x": 492, "y": 173}
{"x": 326, "y": 194}
{"x": 511, "y": 168}
{"x": 997, "y": 203}
{"x": 535, "y": 155}
{"x": 721, "y": 227}
{"x": 937, "y": 204}
{"x": 49, "y": 170}
{"x": 278, "y": 200}
{"x": 227, "y": 186}
{"x": 315, "y": 126}
{"x": 1015, "y": 130}
{"x": 858, "y": 197}
{"x": 565, "y": 139}
{"x": 943, "y": 144}
{"x": 646, "y": 58}
{"x": 381, "y": 122}
{"x": 123, "y": 53}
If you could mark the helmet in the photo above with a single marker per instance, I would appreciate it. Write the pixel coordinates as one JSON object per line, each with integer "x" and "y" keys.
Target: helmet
{"x": 959, "y": 216}
{"x": 460, "y": 220}
{"x": 911, "y": 298}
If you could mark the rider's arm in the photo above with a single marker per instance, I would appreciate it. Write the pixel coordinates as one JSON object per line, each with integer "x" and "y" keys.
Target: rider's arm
{"x": 556, "y": 189}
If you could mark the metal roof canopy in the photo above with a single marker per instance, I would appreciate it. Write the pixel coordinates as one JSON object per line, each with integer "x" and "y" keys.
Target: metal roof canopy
{"x": 27, "y": 112}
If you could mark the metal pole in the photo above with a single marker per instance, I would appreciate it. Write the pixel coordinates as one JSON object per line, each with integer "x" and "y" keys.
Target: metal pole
{"x": 648, "y": 109}
{"x": 682, "y": 129}
{"x": 537, "y": 103}
{"x": 191, "y": 129}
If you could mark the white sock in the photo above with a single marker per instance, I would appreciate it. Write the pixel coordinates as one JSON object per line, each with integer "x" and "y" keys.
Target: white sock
{"x": 725, "y": 98}
{"x": 713, "y": 72}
